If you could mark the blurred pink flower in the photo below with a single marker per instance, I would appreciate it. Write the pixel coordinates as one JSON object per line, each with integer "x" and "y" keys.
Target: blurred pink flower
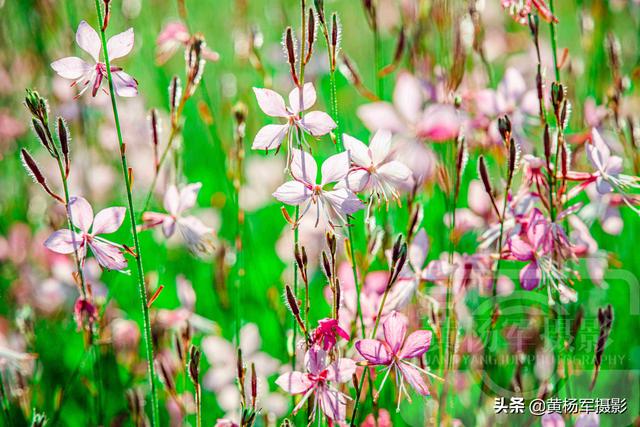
{"x": 109, "y": 220}
{"x": 327, "y": 332}
{"x": 330, "y": 205}
{"x": 316, "y": 379}
{"x": 198, "y": 237}
{"x": 373, "y": 169}
{"x": 85, "y": 74}
{"x": 174, "y": 36}
{"x": 520, "y": 10}
{"x": 316, "y": 123}
{"x": 536, "y": 245}
{"x": 396, "y": 350}
{"x": 384, "y": 420}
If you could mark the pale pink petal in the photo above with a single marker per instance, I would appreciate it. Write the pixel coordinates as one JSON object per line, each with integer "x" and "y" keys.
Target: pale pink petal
{"x": 108, "y": 255}
{"x": 186, "y": 293}
{"x": 520, "y": 249}
{"x": 418, "y": 249}
{"x": 168, "y": 226}
{"x": 71, "y": 67}
{"x": 588, "y": 420}
{"x": 88, "y": 40}
{"x": 597, "y": 151}
{"x": 436, "y": 270}
{"x": 120, "y": 44}
{"x": 304, "y": 167}
{"x": 294, "y": 382}
{"x": 416, "y": 344}
{"x": 188, "y": 196}
{"x": 395, "y": 173}
{"x": 108, "y": 220}
{"x": 380, "y": 146}
{"x": 172, "y": 200}
{"x": 292, "y": 193}
{"x": 479, "y": 200}
{"x": 81, "y": 213}
{"x": 62, "y": 241}
{"x": 269, "y": 137}
{"x": 308, "y": 98}
{"x": 356, "y": 180}
{"x": 341, "y": 370}
{"x": 612, "y": 222}
{"x": 318, "y": 123}
{"x": 381, "y": 115}
{"x": 315, "y": 360}
{"x": 407, "y": 96}
{"x": 343, "y": 200}
{"x": 512, "y": 86}
{"x": 486, "y": 103}
{"x": 374, "y": 351}
{"x": 270, "y": 102}
{"x": 530, "y": 276}
{"x": 333, "y": 404}
{"x": 552, "y": 420}
{"x": 413, "y": 377}
{"x": 439, "y": 123}
{"x": 395, "y": 330}
{"x": 335, "y": 168}
{"x": 124, "y": 85}
{"x": 358, "y": 151}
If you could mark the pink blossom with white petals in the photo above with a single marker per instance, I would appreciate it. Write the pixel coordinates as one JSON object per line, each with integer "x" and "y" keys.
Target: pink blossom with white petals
{"x": 316, "y": 123}
{"x": 92, "y": 75}
{"x": 330, "y": 205}
{"x": 172, "y": 37}
{"x": 316, "y": 380}
{"x": 108, "y": 254}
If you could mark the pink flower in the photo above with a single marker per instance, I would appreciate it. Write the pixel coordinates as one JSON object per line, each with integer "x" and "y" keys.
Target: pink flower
{"x": 86, "y": 74}
{"x": 85, "y": 314}
{"x": 316, "y": 123}
{"x": 330, "y": 205}
{"x": 198, "y": 236}
{"x": 108, "y": 254}
{"x": 395, "y": 352}
{"x": 520, "y": 10}
{"x": 373, "y": 169}
{"x": 536, "y": 245}
{"x": 384, "y": 420}
{"x": 327, "y": 332}
{"x": 173, "y": 36}
{"x": 317, "y": 379}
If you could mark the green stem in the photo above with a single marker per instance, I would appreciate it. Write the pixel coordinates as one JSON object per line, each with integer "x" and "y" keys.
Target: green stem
{"x": 138, "y": 255}
{"x": 5, "y": 401}
{"x": 554, "y": 43}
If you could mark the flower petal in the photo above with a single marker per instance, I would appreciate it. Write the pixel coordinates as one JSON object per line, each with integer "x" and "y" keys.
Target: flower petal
{"x": 407, "y": 96}
{"x": 317, "y": 123}
{"x": 439, "y": 123}
{"x": 343, "y": 200}
{"x": 308, "y": 98}
{"x": 520, "y": 249}
{"x": 294, "y": 382}
{"x": 292, "y": 193}
{"x": 374, "y": 351}
{"x": 356, "y": 180}
{"x": 270, "y": 102}
{"x": 81, "y": 213}
{"x": 171, "y": 200}
{"x": 124, "y": 85}
{"x": 530, "y": 276}
{"x": 304, "y": 167}
{"x": 108, "y": 255}
{"x": 108, "y": 220}
{"x": 381, "y": 115}
{"x": 416, "y": 344}
{"x": 359, "y": 152}
{"x": 120, "y": 44}
{"x": 333, "y": 404}
{"x": 269, "y": 137}
{"x": 335, "y": 168}
{"x": 188, "y": 196}
{"x": 88, "y": 40}
{"x": 395, "y": 330}
{"x": 71, "y": 67}
{"x": 62, "y": 241}
{"x": 380, "y": 146}
{"x": 394, "y": 173}
{"x": 418, "y": 249}
{"x": 341, "y": 370}
{"x": 413, "y": 377}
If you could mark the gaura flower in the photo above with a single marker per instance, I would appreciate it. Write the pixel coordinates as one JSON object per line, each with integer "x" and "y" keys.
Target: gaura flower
{"x": 327, "y": 332}
{"x": 108, "y": 254}
{"x": 330, "y": 205}
{"x": 373, "y": 169}
{"x": 316, "y": 123}
{"x": 608, "y": 168}
{"x": 395, "y": 351}
{"x": 316, "y": 380}
{"x": 173, "y": 36}
{"x": 91, "y": 75}
{"x": 532, "y": 249}
{"x": 520, "y": 10}
{"x": 197, "y": 236}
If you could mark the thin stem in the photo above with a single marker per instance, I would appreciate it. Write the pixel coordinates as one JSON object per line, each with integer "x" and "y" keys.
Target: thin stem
{"x": 554, "y": 43}
{"x": 5, "y": 401}
{"x": 138, "y": 255}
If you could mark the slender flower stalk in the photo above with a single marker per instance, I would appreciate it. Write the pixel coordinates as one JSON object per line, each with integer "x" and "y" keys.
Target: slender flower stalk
{"x": 138, "y": 253}
{"x": 554, "y": 43}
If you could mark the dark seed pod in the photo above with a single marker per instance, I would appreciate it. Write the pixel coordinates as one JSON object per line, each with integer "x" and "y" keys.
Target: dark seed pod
{"x": 290, "y": 49}
{"x": 43, "y": 137}
{"x": 319, "y": 4}
{"x": 63, "y": 136}
{"x": 504, "y": 126}
{"x": 311, "y": 35}
{"x": 291, "y": 301}
{"x": 175, "y": 97}
{"x": 194, "y": 365}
